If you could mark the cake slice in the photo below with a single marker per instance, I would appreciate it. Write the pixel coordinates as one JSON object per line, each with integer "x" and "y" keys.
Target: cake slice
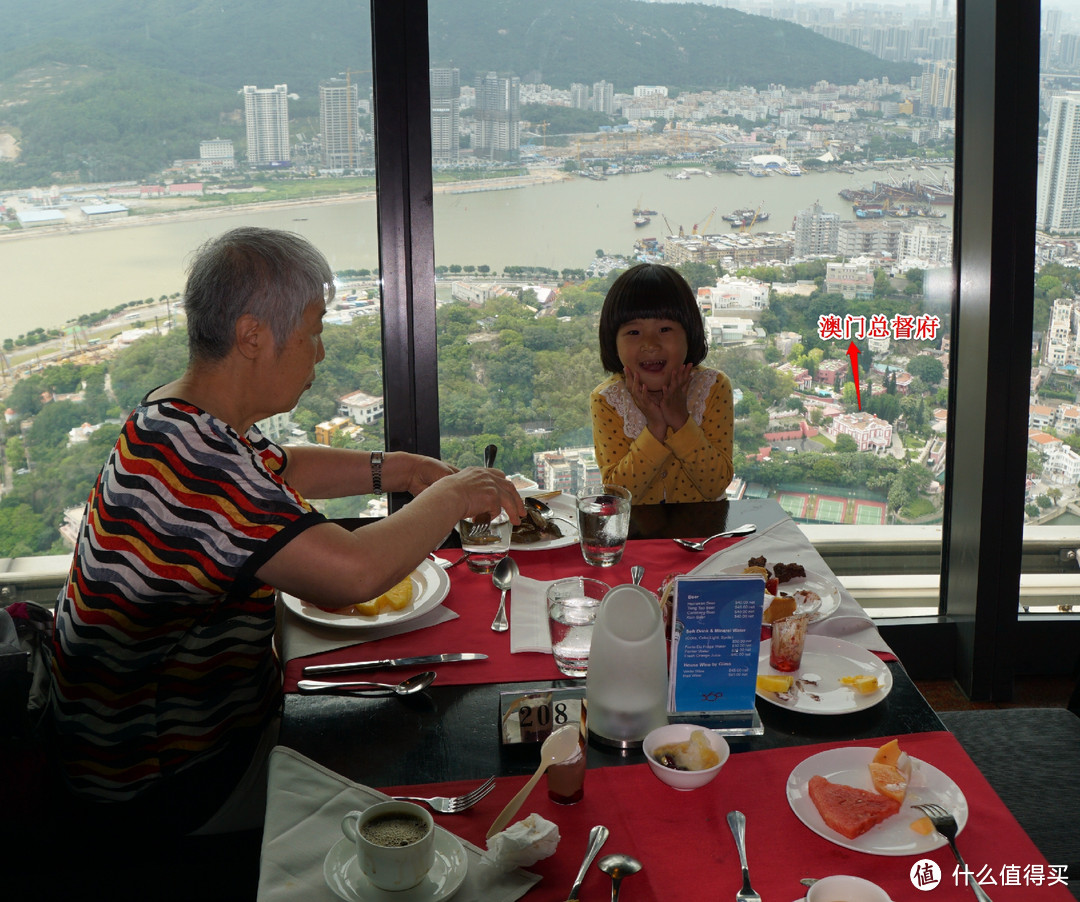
{"x": 847, "y": 810}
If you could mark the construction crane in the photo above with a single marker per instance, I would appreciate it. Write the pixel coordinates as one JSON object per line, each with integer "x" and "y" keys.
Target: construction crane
{"x": 705, "y": 224}
{"x": 747, "y": 226}
{"x": 667, "y": 225}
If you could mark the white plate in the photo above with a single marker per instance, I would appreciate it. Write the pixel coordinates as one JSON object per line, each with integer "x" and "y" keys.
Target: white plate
{"x": 824, "y": 586}
{"x": 828, "y": 659}
{"x": 344, "y": 877}
{"x": 430, "y": 586}
{"x": 565, "y": 508}
{"x": 893, "y": 836}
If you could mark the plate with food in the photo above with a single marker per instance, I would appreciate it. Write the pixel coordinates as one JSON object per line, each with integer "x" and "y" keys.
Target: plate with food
{"x": 540, "y": 531}
{"x": 421, "y": 591}
{"x": 860, "y": 797}
{"x": 791, "y": 589}
{"x": 835, "y": 677}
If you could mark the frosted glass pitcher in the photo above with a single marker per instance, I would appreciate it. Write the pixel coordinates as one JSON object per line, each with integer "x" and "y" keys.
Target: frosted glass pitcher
{"x": 626, "y": 686}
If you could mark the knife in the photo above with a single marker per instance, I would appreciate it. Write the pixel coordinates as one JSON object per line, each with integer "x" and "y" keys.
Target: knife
{"x": 391, "y": 662}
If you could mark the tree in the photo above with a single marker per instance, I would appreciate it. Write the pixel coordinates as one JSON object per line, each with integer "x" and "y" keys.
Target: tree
{"x": 698, "y": 275}
{"x": 846, "y": 444}
{"x": 926, "y": 367}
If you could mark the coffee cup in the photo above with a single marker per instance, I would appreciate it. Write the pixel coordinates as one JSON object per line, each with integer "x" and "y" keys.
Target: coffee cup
{"x": 395, "y": 843}
{"x": 843, "y": 888}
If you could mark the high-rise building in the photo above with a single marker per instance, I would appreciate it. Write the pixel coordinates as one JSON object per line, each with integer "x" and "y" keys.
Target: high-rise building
{"x": 604, "y": 97}
{"x": 816, "y": 232}
{"x": 339, "y": 119}
{"x": 266, "y": 112}
{"x": 1058, "y": 207}
{"x": 938, "y": 100}
{"x": 445, "y": 110}
{"x": 498, "y": 117}
{"x": 579, "y": 96}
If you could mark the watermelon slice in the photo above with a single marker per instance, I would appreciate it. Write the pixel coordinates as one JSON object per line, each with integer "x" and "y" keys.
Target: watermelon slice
{"x": 847, "y": 810}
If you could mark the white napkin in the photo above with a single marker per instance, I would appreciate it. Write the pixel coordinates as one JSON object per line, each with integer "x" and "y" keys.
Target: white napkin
{"x": 528, "y": 616}
{"x": 522, "y": 844}
{"x": 300, "y": 637}
{"x": 784, "y": 541}
{"x": 304, "y": 807}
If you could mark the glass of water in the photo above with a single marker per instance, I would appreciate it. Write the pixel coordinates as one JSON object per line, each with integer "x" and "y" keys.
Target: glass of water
{"x": 572, "y": 604}
{"x": 603, "y": 523}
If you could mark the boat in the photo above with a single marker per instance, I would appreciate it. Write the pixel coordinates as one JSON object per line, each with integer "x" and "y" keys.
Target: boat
{"x": 868, "y": 211}
{"x": 640, "y": 211}
{"x": 640, "y": 221}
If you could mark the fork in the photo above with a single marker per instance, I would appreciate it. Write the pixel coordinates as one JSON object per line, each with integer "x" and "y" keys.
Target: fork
{"x": 737, "y": 822}
{"x": 945, "y": 824}
{"x": 453, "y": 804}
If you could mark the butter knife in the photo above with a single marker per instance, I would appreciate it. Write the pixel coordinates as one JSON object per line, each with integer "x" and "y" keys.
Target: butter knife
{"x": 348, "y": 666}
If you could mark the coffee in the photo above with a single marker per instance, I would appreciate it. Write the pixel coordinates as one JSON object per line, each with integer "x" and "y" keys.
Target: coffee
{"x": 394, "y": 829}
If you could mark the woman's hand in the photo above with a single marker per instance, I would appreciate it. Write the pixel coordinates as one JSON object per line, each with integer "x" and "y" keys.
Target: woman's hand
{"x": 482, "y": 491}
{"x": 425, "y": 472}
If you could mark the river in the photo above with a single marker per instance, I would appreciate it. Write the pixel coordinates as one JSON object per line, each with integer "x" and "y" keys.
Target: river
{"x": 52, "y": 277}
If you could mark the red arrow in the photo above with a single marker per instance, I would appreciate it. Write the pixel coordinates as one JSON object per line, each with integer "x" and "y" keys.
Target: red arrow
{"x": 853, "y": 353}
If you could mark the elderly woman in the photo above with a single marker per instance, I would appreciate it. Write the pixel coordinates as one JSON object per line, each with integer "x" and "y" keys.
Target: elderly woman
{"x": 166, "y": 690}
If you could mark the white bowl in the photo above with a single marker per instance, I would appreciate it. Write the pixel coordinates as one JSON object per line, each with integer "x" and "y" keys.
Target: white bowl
{"x": 680, "y": 732}
{"x": 855, "y": 889}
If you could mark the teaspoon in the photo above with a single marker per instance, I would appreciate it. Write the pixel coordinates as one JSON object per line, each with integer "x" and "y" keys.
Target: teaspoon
{"x": 743, "y": 530}
{"x": 618, "y": 866}
{"x": 504, "y": 574}
{"x": 416, "y": 683}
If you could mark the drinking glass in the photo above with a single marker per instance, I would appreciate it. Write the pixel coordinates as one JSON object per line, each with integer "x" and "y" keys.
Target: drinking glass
{"x": 572, "y": 604}
{"x": 603, "y": 523}
{"x": 487, "y": 541}
{"x": 788, "y": 639}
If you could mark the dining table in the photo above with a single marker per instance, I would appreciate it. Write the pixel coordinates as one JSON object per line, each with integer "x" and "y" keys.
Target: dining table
{"x": 339, "y": 752}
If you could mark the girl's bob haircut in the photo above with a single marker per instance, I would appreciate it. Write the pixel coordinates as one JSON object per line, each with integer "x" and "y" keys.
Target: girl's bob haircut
{"x": 650, "y": 291}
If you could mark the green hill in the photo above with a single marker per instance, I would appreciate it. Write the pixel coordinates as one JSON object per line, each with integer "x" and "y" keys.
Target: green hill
{"x": 120, "y": 88}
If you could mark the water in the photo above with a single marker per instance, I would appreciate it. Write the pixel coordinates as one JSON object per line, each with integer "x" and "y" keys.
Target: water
{"x": 603, "y": 524}
{"x": 50, "y": 278}
{"x": 571, "y": 634}
{"x": 486, "y": 545}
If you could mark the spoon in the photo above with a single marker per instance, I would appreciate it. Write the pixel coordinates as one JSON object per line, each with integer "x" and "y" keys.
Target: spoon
{"x": 416, "y": 683}
{"x": 559, "y": 746}
{"x": 743, "y": 530}
{"x": 637, "y": 574}
{"x": 489, "y": 455}
{"x": 618, "y": 866}
{"x": 504, "y": 574}
{"x": 597, "y": 837}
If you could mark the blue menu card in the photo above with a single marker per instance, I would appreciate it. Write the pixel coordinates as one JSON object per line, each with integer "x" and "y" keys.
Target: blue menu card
{"x": 716, "y": 635}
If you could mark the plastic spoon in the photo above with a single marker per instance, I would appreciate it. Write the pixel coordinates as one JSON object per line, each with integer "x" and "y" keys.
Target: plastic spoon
{"x": 559, "y": 746}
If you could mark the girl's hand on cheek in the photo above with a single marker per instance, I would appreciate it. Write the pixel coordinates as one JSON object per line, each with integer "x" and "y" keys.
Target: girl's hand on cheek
{"x": 673, "y": 401}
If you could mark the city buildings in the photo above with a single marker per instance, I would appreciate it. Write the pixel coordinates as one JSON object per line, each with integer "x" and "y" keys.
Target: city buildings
{"x": 339, "y": 120}
{"x": 445, "y": 116}
{"x": 266, "y": 115}
{"x": 217, "y": 155}
{"x": 1058, "y": 207}
{"x": 816, "y": 232}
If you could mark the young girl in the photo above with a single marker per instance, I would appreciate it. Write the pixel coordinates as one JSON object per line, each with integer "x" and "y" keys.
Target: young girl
{"x": 662, "y": 425}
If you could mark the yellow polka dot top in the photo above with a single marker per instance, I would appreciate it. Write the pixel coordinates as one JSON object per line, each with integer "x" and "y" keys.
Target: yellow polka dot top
{"x": 692, "y": 464}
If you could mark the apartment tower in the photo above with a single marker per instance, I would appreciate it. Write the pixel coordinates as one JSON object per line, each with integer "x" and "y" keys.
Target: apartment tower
{"x": 498, "y": 117}
{"x": 1058, "y": 208}
{"x": 445, "y": 116}
{"x": 339, "y": 119}
{"x": 266, "y": 112}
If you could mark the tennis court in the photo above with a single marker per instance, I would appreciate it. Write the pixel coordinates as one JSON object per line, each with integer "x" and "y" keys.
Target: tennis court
{"x": 830, "y": 510}
{"x": 869, "y": 513}
{"x": 794, "y": 505}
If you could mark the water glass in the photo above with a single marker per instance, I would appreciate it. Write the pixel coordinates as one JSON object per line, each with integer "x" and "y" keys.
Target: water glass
{"x": 603, "y": 524}
{"x": 788, "y": 639}
{"x": 572, "y": 604}
{"x": 487, "y": 541}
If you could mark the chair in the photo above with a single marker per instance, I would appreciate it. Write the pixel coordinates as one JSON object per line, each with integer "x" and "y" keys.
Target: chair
{"x": 1030, "y": 757}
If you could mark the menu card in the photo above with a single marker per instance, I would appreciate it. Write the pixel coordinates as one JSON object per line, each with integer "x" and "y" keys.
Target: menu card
{"x": 716, "y": 635}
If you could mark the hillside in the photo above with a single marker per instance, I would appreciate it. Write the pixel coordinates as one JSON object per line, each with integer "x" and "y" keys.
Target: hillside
{"x": 120, "y": 88}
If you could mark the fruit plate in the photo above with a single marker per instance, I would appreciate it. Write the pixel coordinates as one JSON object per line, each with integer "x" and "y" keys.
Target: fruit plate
{"x": 565, "y": 509}
{"x": 817, "y": 688}
{"x": 893, "y": 836}
{"x": 430, "y": 586}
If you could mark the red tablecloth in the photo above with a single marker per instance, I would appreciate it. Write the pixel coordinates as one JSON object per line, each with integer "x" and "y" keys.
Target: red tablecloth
{"x": 473, "y": 596}
{"x": 684, "y": 843}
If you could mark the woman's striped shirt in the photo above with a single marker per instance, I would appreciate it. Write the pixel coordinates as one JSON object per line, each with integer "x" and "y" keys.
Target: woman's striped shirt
{"x": 164, "y": 637}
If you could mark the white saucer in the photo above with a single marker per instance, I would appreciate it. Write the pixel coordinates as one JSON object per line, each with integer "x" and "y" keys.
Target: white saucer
{"x": 344, "y": 877}
{"x": 565, "y": 508}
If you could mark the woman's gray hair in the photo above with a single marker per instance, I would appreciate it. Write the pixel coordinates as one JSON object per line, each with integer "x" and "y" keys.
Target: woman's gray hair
{"x": 270, "y": 274}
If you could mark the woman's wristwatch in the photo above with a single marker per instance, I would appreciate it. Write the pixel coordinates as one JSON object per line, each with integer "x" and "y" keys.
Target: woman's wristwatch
{"x": 376, "y": 472}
